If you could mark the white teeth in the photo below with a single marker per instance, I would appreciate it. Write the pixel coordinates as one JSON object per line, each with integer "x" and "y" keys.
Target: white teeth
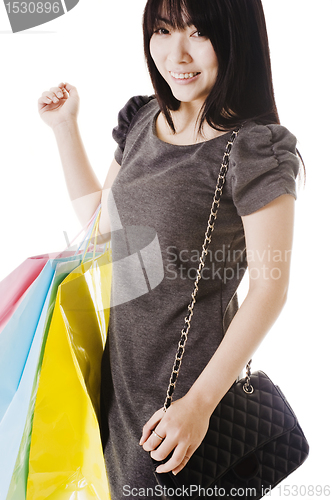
{"x": 183, "y": 76}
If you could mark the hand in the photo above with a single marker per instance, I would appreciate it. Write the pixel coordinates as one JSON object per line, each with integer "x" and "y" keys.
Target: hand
{"x": 59, "y": 104}
{"x": 183, "y": 427}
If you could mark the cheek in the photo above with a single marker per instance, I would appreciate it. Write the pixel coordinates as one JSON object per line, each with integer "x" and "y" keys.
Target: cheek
{"x": 212, "y": 61}
{"x": 210, "y": 58}
{"x": 156, "y": 51}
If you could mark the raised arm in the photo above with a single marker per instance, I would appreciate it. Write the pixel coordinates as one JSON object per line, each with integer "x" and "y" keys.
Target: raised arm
{"x": 185, "y": 423}
{"x": 59, "y": 108}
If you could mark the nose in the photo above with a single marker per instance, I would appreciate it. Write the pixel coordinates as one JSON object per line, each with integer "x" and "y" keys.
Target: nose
{"x": 179, "y": 50}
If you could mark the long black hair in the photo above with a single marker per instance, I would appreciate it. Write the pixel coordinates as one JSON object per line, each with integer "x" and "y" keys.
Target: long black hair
{"x": 236, "y": 28}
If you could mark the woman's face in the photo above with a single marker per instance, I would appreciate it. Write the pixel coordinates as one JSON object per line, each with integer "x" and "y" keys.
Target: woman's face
{"x": 186, "y": 60}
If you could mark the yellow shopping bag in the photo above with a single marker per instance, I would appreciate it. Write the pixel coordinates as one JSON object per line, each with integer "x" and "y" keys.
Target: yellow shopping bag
{"x": 66, "y": 459}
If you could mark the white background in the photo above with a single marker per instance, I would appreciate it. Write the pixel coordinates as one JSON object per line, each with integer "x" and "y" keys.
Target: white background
{"x": 97, "y": 47}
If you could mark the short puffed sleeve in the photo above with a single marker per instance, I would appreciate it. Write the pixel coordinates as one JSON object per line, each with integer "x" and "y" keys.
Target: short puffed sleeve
{"x": 264, "y": 165}
{"x": 125, "y": 119}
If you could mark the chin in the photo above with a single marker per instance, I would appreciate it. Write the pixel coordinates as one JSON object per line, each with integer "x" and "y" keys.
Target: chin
{"x": 188, "y": 99}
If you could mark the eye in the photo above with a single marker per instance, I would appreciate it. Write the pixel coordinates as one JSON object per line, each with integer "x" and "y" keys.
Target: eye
{"x": 161, "y": 31}
{"x": 199, "y": 34}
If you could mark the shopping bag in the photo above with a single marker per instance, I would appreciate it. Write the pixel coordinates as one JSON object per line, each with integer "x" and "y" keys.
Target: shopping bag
{"x": 14, "y": 286}
{"x": 17, "y": 336}
{"x": 15, "y": 428}
{"x": 66, "y": 458}
{"x": 15, "y": 342}
{"x": 21, "y": 347}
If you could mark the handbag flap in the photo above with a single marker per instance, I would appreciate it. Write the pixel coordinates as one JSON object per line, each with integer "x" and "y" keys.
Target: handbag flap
{"x": 240, "y": 424}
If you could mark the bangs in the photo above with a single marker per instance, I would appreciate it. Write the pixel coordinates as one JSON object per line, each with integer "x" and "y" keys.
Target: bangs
{"x": 177, "y": 13}
{"x": 237, "y": 32}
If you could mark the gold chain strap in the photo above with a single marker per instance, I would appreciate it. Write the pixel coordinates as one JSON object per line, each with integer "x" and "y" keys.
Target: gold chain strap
{"x": 210, "y": 227}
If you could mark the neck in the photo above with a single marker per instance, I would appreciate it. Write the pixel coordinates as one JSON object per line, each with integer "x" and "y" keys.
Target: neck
{"x": 186, "y": 116}
{"x": 186, "y": 125}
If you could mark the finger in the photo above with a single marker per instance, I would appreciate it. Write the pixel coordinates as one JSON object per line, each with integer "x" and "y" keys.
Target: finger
{"x": 57, "y": 92}
{"x": 62, "y": 86}
{"x": 176, "y": 460}
{"x": 47, "y": 97}
{"x": 150, "y": 425}
{"x": 165, "y": 448}
{"x": 69, "y": 88}
{"x": 153, "y": 441}
{"x": 182, "y": 464}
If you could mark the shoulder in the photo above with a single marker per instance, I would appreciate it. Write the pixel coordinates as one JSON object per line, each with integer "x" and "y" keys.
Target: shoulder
{"x": 264, "y": 164}
{"x": 126, "y": 117}
{"x": 263, "y": 141}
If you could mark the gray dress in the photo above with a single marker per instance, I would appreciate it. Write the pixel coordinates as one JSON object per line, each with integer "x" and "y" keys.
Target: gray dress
{"x": 159, "y": 206}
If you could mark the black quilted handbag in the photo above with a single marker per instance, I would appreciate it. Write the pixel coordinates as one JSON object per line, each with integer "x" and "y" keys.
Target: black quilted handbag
{"x": 254, "y": 439}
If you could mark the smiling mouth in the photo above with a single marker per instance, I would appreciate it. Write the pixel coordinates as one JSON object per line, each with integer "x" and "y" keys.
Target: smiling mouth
{"x": 183, "y": 76}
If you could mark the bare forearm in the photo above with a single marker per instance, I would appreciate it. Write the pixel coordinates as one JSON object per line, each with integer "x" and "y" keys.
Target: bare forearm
{"x": 252, "y": 321}
{"x": 83, "y": 186}
{"x": 268, "y": 228}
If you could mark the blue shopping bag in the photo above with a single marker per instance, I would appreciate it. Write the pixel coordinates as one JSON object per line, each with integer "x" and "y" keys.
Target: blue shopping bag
{"x": 17, "y": 336}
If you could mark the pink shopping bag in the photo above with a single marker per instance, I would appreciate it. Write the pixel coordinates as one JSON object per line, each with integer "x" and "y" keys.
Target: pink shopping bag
{"x": 14, "y": 286}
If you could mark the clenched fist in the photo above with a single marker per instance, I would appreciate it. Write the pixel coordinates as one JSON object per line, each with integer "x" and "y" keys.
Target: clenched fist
{"x": 59, "y": 104}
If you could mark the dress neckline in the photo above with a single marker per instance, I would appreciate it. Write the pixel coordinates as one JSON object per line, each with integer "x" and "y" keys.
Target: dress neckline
{"x": 191, "y": 146}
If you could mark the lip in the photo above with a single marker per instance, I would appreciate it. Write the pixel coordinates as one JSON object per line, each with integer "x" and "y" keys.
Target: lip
{"x": 184, "y": 81}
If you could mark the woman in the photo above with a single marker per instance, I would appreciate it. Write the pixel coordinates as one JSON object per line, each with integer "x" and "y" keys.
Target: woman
{"x": 210, "y": 67}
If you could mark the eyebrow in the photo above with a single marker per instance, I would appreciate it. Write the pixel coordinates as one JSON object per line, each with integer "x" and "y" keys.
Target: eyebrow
{"x": 163, "y": 20}
{"x": 168, "y": 21}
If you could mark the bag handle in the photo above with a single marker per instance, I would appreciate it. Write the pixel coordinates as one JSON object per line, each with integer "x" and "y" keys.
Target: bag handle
{"x": 87, "y": 229}
{"x": 94, "y": 230}
{"x": 210, "y": 227}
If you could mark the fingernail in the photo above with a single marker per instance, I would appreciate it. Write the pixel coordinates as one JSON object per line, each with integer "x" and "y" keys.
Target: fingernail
{"x": 59, "y": 94}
